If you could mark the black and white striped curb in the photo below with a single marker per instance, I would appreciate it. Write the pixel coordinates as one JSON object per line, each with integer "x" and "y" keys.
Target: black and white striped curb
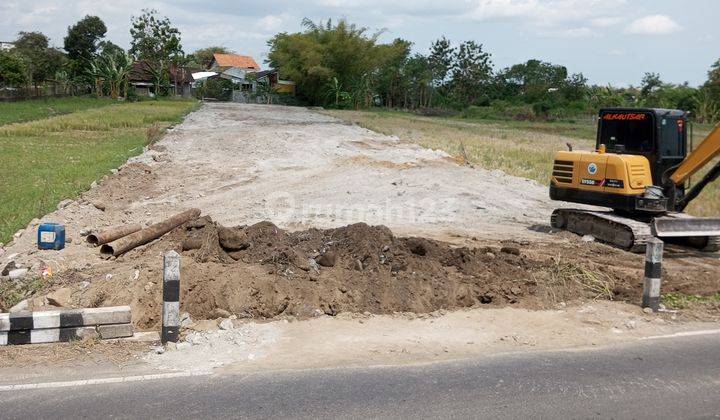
{"x": 65, "y": 325}
{"x": 653, "y": 274}
{"x": 171, "y": 297}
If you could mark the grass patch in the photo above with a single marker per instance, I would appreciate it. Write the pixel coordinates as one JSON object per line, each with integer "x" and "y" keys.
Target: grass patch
{"x": 677, "y": 300}
{"x": 45, "y": 161}
{"x": 22, "y": 111}
{"x": 519, "y": 148}
{"x": 566, "y": 279}
{"x": 11, "y": 293}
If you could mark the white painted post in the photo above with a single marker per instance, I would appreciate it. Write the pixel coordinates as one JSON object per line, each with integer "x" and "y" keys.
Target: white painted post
{"x": 171, "y": 297}
{"x": 653, "y": 274}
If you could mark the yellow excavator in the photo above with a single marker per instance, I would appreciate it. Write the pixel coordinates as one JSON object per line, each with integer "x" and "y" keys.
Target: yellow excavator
{"x": 639, "y": 169}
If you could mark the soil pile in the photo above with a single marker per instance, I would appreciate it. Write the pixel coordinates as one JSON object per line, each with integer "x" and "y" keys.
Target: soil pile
{"x": 353, "y": 268}
{"x": 262, "y": 271}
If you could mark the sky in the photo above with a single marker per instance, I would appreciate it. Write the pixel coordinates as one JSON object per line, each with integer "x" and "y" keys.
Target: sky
{"x": 609, "y": 41}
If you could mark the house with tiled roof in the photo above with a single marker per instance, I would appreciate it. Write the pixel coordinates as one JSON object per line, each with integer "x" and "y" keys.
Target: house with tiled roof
{"x": 236, "y": 68}
{"x": 227, "y": 61}
{"x": 245, "y": 74}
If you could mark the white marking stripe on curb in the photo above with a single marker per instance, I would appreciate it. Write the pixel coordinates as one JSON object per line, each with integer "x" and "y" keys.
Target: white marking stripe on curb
{"x": 101, "y": 381}
{"x": 44, "y": 336}
{"x": 683, "y": 334}
{"x": 65, "y": 318}
{"x": 171, "y": 314}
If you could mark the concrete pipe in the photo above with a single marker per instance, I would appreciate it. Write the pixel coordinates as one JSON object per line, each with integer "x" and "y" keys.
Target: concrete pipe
{"x": 148, "y": 234}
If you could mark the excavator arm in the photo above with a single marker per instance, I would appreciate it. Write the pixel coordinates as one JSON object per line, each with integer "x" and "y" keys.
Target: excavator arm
{"x": 706, "y": 151}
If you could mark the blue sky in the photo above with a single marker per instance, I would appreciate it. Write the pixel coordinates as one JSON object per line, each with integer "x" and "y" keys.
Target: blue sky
{"x": 609, "y": 41}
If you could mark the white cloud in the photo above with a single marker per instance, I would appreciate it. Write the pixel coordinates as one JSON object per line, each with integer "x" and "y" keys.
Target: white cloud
{"x": 545, "y": 13}
{"x": 491, "y": 9}
{"x": 271, "y": 23}
{"x": 607, "y": 21}
{"x": 653, "y": 25}
{"x": 581, "y": 32}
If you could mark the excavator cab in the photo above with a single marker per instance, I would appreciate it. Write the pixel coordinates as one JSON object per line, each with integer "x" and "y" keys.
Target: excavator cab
{"x": 658, "y": 134}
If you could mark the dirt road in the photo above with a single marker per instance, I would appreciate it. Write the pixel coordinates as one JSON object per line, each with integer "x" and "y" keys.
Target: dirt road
{"x": 242, "y": 164}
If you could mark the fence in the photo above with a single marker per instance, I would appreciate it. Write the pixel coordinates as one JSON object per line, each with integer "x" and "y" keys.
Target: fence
{"x": 8, "y": 94}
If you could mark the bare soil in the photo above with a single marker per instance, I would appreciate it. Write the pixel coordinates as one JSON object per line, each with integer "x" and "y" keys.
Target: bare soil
{"x": 358, "y": 222}
{"x": 262, "y": 271}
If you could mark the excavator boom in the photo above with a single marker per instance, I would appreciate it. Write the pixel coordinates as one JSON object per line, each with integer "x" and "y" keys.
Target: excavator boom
{"x": 706, "y": 151}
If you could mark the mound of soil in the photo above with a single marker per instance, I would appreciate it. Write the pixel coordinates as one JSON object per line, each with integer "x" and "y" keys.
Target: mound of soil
{"x": 262, "y": 271}
{"x": 353, "y": 268}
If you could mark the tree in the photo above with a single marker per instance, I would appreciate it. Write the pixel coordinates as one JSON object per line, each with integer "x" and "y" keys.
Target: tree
{"x": 546, "y": 87}
{"x": 390, "y": 83}
{"x": 263, "y": 89}
{"x": 362, "y": 92}
{"x": 321, "y": 52}
{"x": 440, "y": 61}
{"x": 40, "y": 60}
{"x": 160, "y": 76}
{"x": 711, "y": 94}
{"x": 154, "y": 38}
{"x": 471, "y": 74}
{"x": 533, "y": 79}
{"x": 108, "y": 47}
{"x": 204, "y": 56}
{"x": 62, "y": 78}
{"x": 13, "y": 72}
{"x": 650, "y": 83}
{"x": 707, "y": 109}
{"x": 605, "y": 96}
{"x": 81, "y": 42}
{"x": 217, "y": 88}
{"x": 574, "y": 87}
{"x": 336, "y": 92}
{"x": 111, "y": 72}
{"x": 419, "y": 77}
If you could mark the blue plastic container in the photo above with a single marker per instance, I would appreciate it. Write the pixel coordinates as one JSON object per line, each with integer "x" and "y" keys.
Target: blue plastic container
{"x": 51, "y": 236}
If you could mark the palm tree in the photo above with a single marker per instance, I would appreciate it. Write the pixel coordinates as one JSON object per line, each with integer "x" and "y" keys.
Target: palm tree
{"x": 336, "y": 92}
{"x": 707, "y": 108}
{"x": 111, "y": 71}
{"x": 61, "y": 78}
{"x": 159, "y": 73}
{"x": 362, "y": 91}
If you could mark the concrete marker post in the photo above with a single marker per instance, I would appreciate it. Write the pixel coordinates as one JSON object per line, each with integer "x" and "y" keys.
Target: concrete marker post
{"x": 171, "y": 298}
{"x": 653, "y": 274}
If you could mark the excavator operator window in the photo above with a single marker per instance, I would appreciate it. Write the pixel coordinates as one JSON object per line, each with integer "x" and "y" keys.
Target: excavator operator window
{"x": 672, "y": 138}
{"x": 624, "y": 132}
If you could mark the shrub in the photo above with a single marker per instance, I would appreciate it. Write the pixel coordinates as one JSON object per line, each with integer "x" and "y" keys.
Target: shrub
{"x": 217, "y": 88}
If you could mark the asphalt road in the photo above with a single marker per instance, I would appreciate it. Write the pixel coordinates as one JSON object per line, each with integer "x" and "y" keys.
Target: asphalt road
{"x": 665, "y": 378}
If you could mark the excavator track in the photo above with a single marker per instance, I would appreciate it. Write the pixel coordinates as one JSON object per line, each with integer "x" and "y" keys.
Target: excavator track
{"x": 606, "y": 226}
{"x": 622, "y": 232}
